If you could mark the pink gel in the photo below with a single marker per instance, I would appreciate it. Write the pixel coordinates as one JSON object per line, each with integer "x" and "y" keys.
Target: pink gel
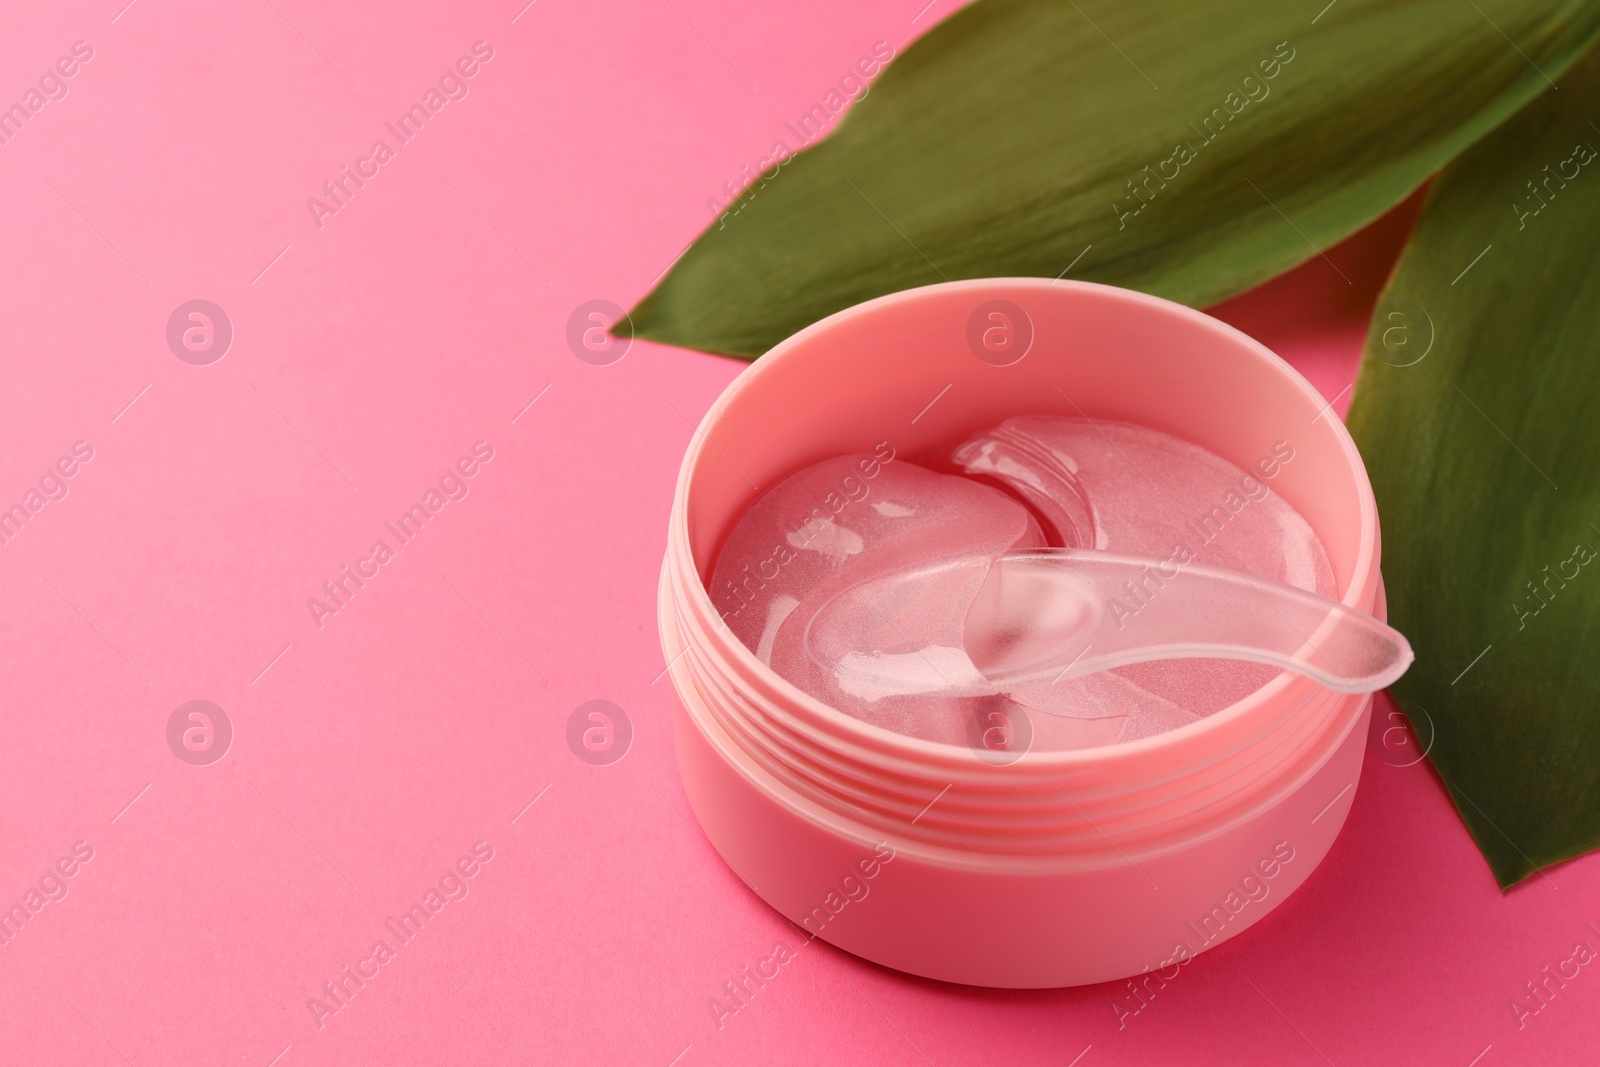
{"x": 1104, "y": 485}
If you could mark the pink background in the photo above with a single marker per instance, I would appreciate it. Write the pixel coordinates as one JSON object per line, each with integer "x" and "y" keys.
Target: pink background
{"x": 372, "y": 752}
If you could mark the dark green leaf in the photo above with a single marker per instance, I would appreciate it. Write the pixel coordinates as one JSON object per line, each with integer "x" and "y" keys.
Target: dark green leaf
{"x": 1483, "y": 454}
{"x": 1010, "y": 138}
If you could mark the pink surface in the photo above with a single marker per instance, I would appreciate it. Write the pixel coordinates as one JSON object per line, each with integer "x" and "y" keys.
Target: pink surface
{"x": 371, "y": 753}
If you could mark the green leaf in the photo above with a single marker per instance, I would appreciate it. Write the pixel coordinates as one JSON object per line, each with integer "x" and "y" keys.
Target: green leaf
{"x": 1483, "y": 455}
{"x": 1010, "y": 138}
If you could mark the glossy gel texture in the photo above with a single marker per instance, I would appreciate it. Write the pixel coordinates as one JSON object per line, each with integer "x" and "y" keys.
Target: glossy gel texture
{"x": 849, "y": 519}
{"x": 1030, "y": 482}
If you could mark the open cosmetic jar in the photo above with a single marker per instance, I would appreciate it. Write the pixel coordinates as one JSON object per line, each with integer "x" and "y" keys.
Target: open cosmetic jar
{"x": 1032, "y": 865}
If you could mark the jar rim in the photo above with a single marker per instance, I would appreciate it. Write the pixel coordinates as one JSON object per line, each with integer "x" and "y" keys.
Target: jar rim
{"x": 1359, "y": 592}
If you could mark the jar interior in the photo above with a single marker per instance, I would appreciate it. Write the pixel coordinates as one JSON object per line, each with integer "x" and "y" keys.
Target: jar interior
{"x": 902, "y": 374}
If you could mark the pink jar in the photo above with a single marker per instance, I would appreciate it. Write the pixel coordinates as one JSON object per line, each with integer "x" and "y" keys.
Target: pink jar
{"x": 1059, "y": 867}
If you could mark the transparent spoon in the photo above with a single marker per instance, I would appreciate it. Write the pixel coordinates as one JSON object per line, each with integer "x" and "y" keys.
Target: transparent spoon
{"x": 1043, "y": 615}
